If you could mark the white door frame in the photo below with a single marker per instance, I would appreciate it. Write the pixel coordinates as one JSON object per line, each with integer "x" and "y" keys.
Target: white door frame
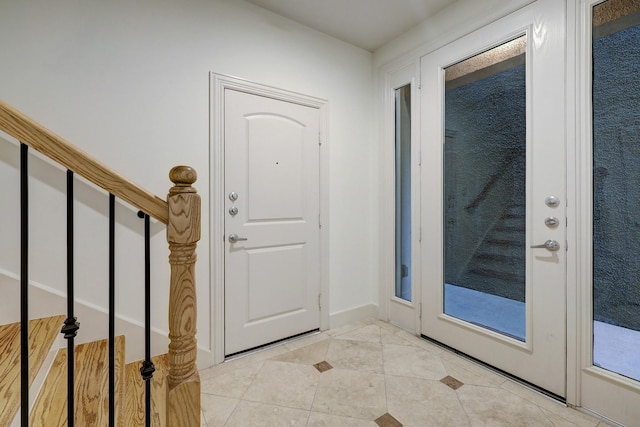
{"x": 218, "y": 84}
{"x": 392, "y": 309}
{"x": 583, "y": 376}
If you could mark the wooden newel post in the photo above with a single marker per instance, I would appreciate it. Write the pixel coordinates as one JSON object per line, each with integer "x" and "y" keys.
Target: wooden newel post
{"x": 183, "y": 233}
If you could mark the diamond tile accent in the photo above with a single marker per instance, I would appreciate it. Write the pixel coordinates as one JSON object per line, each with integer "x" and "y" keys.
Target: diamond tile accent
{"x": 452, "y": 382}
{"x": 387, "y": 420}
{"x": 323, "y": 366}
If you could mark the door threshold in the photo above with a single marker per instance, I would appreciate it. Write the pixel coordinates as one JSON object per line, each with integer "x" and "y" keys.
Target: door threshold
{"x": 276, "y": 343}
{"x": 518, "y": 380}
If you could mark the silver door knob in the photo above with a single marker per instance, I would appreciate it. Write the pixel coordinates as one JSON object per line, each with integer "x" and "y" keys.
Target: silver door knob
{"x": 550, "y": 245}
{"x": 233, "y": 238}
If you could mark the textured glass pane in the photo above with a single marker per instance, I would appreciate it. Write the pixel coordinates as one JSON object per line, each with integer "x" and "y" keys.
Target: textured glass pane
{"x": 484, "y": 189}
{"x": 616, "y": 186}
{"x": 403, "y": 192}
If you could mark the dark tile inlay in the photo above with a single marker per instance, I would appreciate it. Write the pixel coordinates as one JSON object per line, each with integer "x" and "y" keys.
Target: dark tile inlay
{"x": 452, "y": 382}
{"x": 323, "y": 366}
{"x": 387, "y": 420}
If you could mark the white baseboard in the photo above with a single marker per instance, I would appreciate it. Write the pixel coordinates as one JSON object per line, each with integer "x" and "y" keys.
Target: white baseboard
{"x": 355, "y": 314}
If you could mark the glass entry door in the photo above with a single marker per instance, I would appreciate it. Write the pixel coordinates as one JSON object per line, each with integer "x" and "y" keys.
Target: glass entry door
{"x": 493, "y": 197}
{"x": 610, "y": 375}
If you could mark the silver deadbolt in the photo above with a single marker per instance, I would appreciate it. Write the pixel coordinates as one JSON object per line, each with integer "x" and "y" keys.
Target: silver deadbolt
{"x": 233, "y": 238}
{"x": 233, "y": 196}
{"x": 233, "y": 211}
{"x": 550, "y": 245}
{"x": 552, "y": 201}
{"x": 551, "y": 221}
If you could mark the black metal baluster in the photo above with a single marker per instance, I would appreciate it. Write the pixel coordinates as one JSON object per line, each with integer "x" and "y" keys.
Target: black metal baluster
{"x": 71, "y": 326}
{"x": 148, "y": 368}
{"x": 112, "y": 323}
{"x": 24, "y": 285}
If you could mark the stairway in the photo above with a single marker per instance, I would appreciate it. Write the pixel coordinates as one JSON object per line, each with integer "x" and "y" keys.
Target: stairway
{"x": 91, "y": 380}
{"x": 498, "y": 264}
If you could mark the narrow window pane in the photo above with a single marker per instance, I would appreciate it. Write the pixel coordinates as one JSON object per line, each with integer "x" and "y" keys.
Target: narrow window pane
{"x": 616, "y": 186}
{"x": 484, "y": 189}
{"x": 403, "y": 192}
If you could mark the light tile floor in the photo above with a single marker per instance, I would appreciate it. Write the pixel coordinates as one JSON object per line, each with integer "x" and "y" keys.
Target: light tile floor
{"x": 379, "y": 375}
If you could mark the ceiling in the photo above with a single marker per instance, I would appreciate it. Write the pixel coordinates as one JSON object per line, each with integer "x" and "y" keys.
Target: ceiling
{"x": 364, "y": 23}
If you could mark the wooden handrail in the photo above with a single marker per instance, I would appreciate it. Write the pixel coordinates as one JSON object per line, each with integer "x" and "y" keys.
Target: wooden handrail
{"x": 57, "y": 148}
{"x": 181, "y": 213}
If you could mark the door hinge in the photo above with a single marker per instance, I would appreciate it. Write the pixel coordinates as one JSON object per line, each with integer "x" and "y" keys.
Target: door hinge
{"x": 319, "y": 222}
{"x": 419, "y": 234}
{"x": 420, "y": 311}
{"x": 319, "y": 138}
{"x": 320, "y": 301}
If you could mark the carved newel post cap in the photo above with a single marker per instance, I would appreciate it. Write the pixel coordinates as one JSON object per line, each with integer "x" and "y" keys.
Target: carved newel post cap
{"x": 183, "y": 176}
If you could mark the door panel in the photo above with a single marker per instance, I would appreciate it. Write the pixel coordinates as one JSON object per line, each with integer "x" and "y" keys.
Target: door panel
{"x": 272, "y": 184}
{"x": 494, "y": 102}
{"x": 610, "y": 378}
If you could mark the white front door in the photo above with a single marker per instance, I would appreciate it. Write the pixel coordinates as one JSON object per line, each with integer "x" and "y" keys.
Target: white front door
{"x": 493, "y": 195}
{"x": 272, "y": 257}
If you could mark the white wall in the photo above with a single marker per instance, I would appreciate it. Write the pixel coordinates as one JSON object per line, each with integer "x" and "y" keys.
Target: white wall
{"x": 462, "y": 17}
{"x": 128, "y": 82}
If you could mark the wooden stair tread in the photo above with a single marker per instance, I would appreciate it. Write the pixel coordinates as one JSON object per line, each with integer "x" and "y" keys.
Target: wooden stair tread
{"x": 135, "y": 392}
{"x": 91, "y": 387}
{"x": 42, "y": 333}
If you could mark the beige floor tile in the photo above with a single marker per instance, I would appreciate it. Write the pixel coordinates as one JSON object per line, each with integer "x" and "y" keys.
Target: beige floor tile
{"x": 351, "y": 394}
{"x": 469, "y": 372}
{"x": 421, "y": 402}
{"x": 377, "y": 368}
{"x": 559, "y": 421}
{"x": 419, "y": 342}
{"x": 216, "y": 409}
{"x": 306, "y": 340}
{"x": 233, "y": 383}
{"x": 370, "y": 333}
{"x": 253, "y": 360}
{"x": 309, "y": 355}
{"x": 551, "y": 405}
{"x": 254, "y": 414}
{"x": 391, "y": 337}
{"x": 286, "y": 384}
{"x": 385, "y": 325}
{"x": 357, "y": 355}
{"x": 317, "y": 419}
{"x": 489, "y": 406}
{"x": 409, "y": 361}
{"x": 334, "y": 332}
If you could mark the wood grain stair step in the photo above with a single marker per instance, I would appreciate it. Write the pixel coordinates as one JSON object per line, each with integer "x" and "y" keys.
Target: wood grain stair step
{"x": 91, "y": 387}
{"x": 135, "y": 393}
{"x": 42, "y": 334}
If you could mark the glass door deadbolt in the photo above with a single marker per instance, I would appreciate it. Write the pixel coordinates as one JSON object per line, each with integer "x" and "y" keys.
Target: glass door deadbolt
{"x": 552, "y": 201}
{"x": 551, "y": 221}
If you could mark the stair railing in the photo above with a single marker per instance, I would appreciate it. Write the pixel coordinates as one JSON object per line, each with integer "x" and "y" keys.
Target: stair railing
{"x": 181, "y": 214}
{"x": 491, "y": 182}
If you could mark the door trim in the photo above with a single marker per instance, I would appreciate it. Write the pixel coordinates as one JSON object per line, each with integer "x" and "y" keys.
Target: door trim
{"x": 218, "y": 84}
{"x": 582, "y": 373}
{"x": 392, "y": 309}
